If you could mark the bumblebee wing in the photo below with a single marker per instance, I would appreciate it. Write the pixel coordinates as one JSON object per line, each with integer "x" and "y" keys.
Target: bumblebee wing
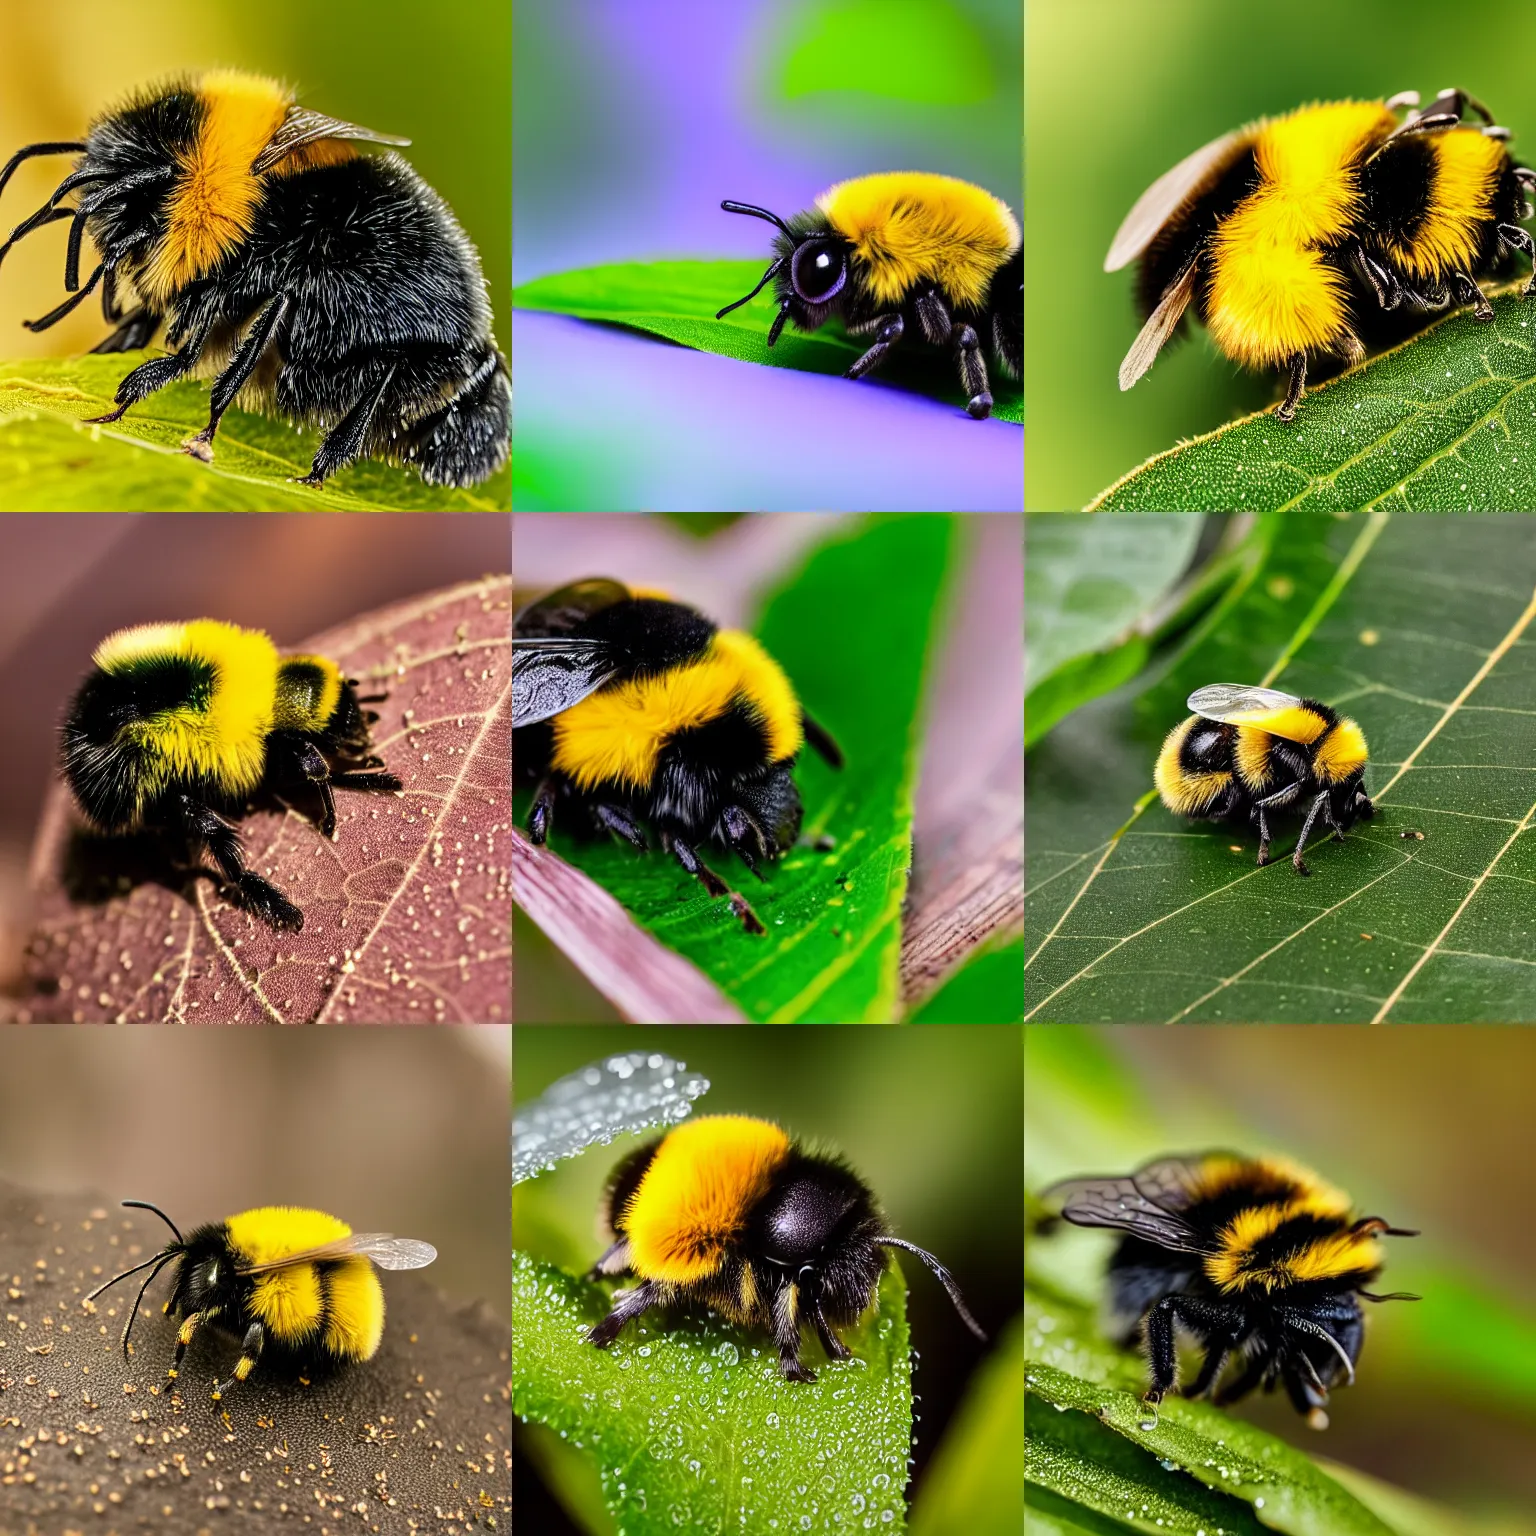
{"x": 386, "y": 1250}
{"x": 301, "y": 127}
{"x": 1119, "y": 1203}
{"x": 1160, "y": 325}
{"x": 1164, "y": 197}
{"x": 551, "y": 675}
{"x": 561, "y": 611}
{"x": 1230, "y": 702}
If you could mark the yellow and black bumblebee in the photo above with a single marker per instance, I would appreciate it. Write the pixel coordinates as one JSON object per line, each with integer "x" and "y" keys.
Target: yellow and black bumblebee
{"x": 627, "y": 706}
{"x": 1304, "y": 240}
{"x": 333, "y": 288}
{"x": 177, "y": 726}
{"x": 295, "y": 1285}
{"x": 1247, "y": 752}
{"x": 899, "y": 251}
{"x": 727, "y": 1210}
{"x": 1255, "y": 1257}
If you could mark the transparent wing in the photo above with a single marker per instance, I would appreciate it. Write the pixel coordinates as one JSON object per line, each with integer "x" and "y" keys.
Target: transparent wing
{"x": 1231, "y": 701}
{"x": 1161, "y": 324}
{"x": 1120, "y": 1203}
{"x": 551, "y": 675}
{"x": 562, "y": 611}
{"x": 386, "y": 1250}
{"x": 1159, "y": 202}
{"x": 301, "y": 127}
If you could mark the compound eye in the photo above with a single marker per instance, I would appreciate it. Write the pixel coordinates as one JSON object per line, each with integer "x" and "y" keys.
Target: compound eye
{"x": 818, "y": 270}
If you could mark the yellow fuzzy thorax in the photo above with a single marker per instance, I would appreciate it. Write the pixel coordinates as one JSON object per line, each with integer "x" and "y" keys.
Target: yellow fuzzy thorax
{"x": 1185, "y": 793}
{"x": 911, "y": 227}
{"x": 224, "y": 742}
{"x": 345, "y": 1303}
{"x": 301, "y": 705}
{"x": 616, "y": 735}
{"x": 1272, "y": 294}
{"x": 695, "y": 1196}
{"x": 1467, "y": 165}
{"x": 1341, "y": 754}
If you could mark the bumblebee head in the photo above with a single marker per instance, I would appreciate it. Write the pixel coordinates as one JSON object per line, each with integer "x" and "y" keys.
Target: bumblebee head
{"x": 154, "y": 1264}
{"x": 773, "y": 802}
{"x": 809, "y": 270}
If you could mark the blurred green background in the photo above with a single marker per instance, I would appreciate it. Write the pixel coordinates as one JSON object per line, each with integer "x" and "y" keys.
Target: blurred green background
{"x": 930, "y": 1118}
{"x": 1118, "y": 91}
{"x": 1429, "y": 1126}
{"x": 440, "y": 76}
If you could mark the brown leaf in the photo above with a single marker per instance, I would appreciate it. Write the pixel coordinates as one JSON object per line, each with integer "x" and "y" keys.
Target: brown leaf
{"x": 407, "y": 915}
{"x": 417, "y": 1438}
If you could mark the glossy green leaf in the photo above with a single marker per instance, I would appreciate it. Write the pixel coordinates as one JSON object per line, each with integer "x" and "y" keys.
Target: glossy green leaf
{"x": 1444, "y": 423}
{"x": 679, "y": 299}
{"x": 691, "y": 1425}
{"x": 50, "y": 462}
{"x": 864, "y": 608}
{"x": 1419, "y": 628}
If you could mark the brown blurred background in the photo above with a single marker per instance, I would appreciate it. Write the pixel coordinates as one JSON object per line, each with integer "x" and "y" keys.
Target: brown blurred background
{"x": 391, "y": 1130}
{"x": 67, "y": 582}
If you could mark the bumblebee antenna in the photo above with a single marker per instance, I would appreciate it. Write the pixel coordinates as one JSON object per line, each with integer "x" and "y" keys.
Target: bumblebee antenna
{"x": 766, "y": 278}
{"x": 144, "y": 1205}
{"x": 57, "y": 147}
{"x": 757, "y": 213}
{"x": 946, "y": 1279}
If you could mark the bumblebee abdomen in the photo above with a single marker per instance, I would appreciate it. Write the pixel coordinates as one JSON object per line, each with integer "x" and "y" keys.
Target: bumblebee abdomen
{"x": 1292, "y": 1243}
{"x": 694, "y": 1198}
{"x": 354, "y": 1309}
{"x": 1194, "y": 767}
{"x": 1461, "y": 171}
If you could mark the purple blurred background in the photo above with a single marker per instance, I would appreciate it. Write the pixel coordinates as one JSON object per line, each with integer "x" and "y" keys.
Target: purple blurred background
{"x": 632, "y": 120}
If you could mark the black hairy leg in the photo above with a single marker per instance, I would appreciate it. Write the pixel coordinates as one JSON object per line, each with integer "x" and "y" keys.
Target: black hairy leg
{"x": 745, "y": 835}
{"x": 229, "y": 383}
{"x": 1244, "y": 1382}
{"x": 940, "y": 327}
{"x": 543, "y": 812}
{"x": 1313, "y": 812}
{"x": 137, "y": 330}
{"x": 144, "y": 380}
{"x": 834, "y": 1346}
{"x": 1210, "y": 1320}
{"x": 786, "y": 1334}
{"x": 888, "y": 333}
{"x": 250, "y": 1353}
{"x": 689, "y": 859}
{"x": 346, "y": 441}
{"x": 259, "y": 897}
{"x": 1286, "y": 410}
{"x": 627, "y": 1306}
{"x": 622, "y": 823}
{"x": 1469, "y": 293}
{"x": 295, "y": 758}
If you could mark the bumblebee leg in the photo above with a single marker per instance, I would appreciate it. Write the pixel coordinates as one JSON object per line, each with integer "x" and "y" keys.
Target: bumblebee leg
{"x": 259, "y": 897}
{"x": 235, "y": 377}
{"x": 742, "y": 831}
{"x": 712, "y": 882}
{"x": 144, "y": 380}
{"x": 1241, "y": 1385}
{"x": 136, "y": 331}
{"x": 1470, "y": 293}
{"x": 889, "y": 333}
{"x": 1306, "y": 826}
{"x": 1158, "y": 1325}
{"x": 626, "y": 1307}
{"x": 543, "y": 808}
{"x": 786, "y": 1334}
{"x": 190, "y": 1324}
{"x": 1286, "y": 410}
{"x": 1520, "y": 240}
{"x": 1263, "y": 837}
{"x": 834, "y": 1346}
{"x": 1218, "y": 1349}
{"x": 250, "y": 1353}
{"x": 622, "y": 823}
{"x": 384, "y": 782}
{"x": 346, "y": 442}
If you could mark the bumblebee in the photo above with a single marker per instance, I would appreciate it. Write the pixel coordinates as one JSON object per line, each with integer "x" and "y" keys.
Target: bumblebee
{"x": 1246, "y": 752}
{"x": 1250, "y": 1255}
{"x": 295, "y": 1285}
{"x": 729, "y": 1211}
{"x": 904, "y": 250}
{"x": 332, "y": 288}
{"x": 627, "y": 706}
{"x": 1307, "y": 238}
{"x": 177, "y": 726}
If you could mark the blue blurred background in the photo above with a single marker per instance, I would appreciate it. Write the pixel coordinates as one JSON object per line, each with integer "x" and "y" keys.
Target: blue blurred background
{"x": 632, "y": 119}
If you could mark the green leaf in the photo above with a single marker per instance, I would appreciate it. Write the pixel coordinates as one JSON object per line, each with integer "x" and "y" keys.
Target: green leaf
{"x": 693, "y": 1428}
{"x": 1418, "y": 628}
{"x": 1444, "y": 423}
{"x": 50, "y": 462}
{"x": 1197, "y": 1464}
{"x": 678, "y": 300}
{"x": 864, "y": 607}
{"x": 987, "y": 989}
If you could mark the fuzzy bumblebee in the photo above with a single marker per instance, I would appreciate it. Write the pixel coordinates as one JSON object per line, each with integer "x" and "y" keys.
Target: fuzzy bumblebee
{"x": 1255, "y": 1257}
{"x": 729, "y": 1211}
{"x": 178, "y": 726}
{"x": 333, "y": 288}
{"x": 627, "y": 706}
{"x": 293, "y": 1285}
{"x": 1247, "y": 753}
{"x": 899, "y": 252}
{"x": 1308, "y": 238}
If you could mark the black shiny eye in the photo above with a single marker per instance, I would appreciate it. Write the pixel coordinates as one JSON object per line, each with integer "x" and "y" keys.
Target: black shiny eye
{"x": 818, "y": 270}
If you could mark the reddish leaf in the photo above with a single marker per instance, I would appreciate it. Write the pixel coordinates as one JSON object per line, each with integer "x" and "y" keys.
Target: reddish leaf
{"x": 407, "y": 915}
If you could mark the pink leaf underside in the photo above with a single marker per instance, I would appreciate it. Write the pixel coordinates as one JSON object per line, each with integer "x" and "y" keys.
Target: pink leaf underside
{"x": 407, "y": 915}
